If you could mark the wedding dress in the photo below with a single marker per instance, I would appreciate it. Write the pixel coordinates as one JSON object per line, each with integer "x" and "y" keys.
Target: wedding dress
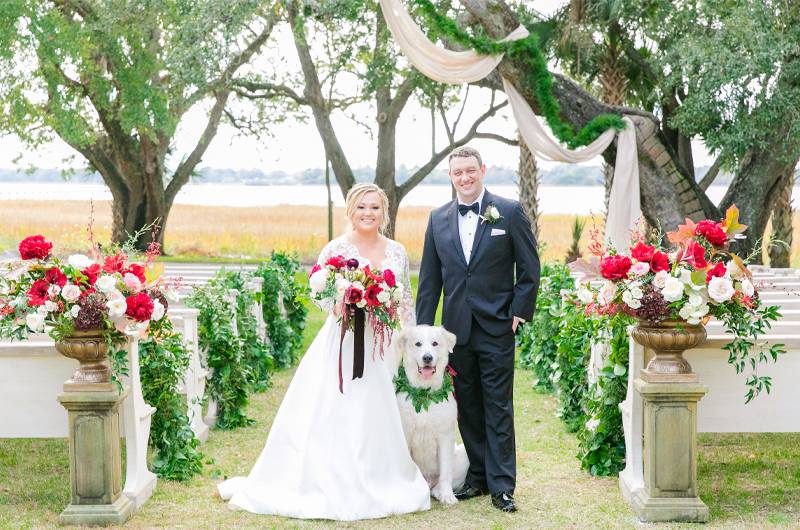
{"x": 333, "y": 455}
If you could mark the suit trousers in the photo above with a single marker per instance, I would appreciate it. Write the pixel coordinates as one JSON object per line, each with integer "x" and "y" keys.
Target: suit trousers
{"x": 484, "y": 386}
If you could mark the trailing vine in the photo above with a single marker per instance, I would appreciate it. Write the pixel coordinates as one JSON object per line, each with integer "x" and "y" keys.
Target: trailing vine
{"x": 294, "y": 293}
{"x": 230, "y": 374}
{"x": 280, "y": 331}
{"x": 527, "y": 53}
{"x": 163, "y": 361}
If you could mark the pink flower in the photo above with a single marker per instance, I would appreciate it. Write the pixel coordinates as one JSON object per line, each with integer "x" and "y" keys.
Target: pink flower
{"x": 695, "y": 255}
{"x": 353, "y": 295}
{"x": 642, "y": 252}
{"x": 115, "y": 263}
{"x": 659, "y": 262}
{"x": 132, "y": 282}
{"x": 640, "y": 268}
{"x": 713, "y": 232}
{"x": 35, "y": 247}
{"x": 137, "y": 270}
{"x": 314, "y": 269}
{"x": 388, "y": 277}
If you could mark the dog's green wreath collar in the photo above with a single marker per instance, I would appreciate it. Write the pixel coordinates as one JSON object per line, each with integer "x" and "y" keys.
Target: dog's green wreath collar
{"x": 422, "y": 398}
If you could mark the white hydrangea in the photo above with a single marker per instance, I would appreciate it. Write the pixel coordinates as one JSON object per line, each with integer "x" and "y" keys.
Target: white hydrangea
{"x": 318, "y": 280}
{"x": 720, "y": 289}
{"x": 397, "y": 294}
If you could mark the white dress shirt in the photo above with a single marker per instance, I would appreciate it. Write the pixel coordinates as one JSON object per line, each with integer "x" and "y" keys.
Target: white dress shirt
{"x": 468, "y": 225}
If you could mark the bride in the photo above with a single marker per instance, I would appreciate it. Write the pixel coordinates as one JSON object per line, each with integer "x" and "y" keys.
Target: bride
{"x": 334, "y": 455}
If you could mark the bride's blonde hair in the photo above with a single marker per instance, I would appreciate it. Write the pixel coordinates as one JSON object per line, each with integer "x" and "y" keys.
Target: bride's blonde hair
{"x": 356, "y": 194}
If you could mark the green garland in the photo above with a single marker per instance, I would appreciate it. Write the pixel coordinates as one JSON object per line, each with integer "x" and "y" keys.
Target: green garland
{"x": 279, "y": 330}
{"x": 163, "y": 361}
{"x": 230, "y": 380}
{"x": 294, "y": 293}
{"x": 422, "y": 398}
{"x": 526, "y": 52}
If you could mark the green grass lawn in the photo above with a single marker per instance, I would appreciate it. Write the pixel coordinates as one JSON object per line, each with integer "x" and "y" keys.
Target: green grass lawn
{"x": 748, "y": 481}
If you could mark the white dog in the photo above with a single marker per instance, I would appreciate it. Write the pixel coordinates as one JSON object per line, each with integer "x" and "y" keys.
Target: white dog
{"x": 430, "y": 432}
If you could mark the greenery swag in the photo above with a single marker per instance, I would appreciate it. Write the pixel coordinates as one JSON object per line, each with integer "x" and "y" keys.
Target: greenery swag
{"x": 422, "y": 398}
{"x": 527, "y": 53}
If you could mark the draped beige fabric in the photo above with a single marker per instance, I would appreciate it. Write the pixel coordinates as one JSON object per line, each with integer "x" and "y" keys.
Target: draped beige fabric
{"x": 456, "y": 67}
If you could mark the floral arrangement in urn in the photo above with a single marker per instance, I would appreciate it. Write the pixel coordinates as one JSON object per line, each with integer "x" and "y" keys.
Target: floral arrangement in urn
{"x": 84, "y": 302}
{"x": 677, "y": 291}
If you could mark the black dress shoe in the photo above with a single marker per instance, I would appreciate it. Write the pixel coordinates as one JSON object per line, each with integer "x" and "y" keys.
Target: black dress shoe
{"x": 504, "y": 502}
{"x": 467, "y": 492}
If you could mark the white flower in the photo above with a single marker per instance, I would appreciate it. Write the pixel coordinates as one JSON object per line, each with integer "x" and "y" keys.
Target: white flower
{"x": 114, "y": 293}
{"x": 640, "y": 268}
{"x": 636, "y": 292}
{"x": 491, "y": 214}
{"x": 585, "y": 295}
{"x": 384, "y": 296}
{"x": 592, "y": 424}
{"x": 116, "y": 307}
{"x": 747, "y": 287}
{"x": 397, "y": 294}
{"x": 74, "y": 311}
{"x": 359, "y": 286}
{"x": 361, "y": 303}
{"x": 696, "y": 299}
{"x": 71, "y": 292}
{"x": 607, "y": 293}
{"x": 53, "y": 290}
{"x": 734, "y": 271}
{"x": 171, "y": 294}
{"x": 318, "y": 281}
{"x": 79, "y": 261}
{"x": 341, "y": 287}
{"x": 105, "y": 283}
{"x": 685, "y": 275}
{"x": 673, "y": 289}
{"x": 50, "y": 306}
{"x": 35, "y": 321}
{"x": 158, "y": 310}
{"x": 720, "y": 289}
{"x": 632, "y": 302}
{"x": 660, "y": 279}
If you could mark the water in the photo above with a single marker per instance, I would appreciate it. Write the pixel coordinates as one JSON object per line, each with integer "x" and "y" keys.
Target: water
{"x": 552, "y": 199}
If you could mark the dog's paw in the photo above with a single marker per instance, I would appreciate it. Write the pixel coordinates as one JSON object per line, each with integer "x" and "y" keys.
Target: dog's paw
{"x": 445, "y": 497}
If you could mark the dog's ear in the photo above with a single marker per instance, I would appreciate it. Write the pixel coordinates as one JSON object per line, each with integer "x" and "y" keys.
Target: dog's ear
{"x": 399, "y": 342}
{"x": 450, "y": 340}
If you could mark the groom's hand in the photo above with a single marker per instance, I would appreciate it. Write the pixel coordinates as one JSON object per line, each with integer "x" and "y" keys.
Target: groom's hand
{"x": 517, "y": 322}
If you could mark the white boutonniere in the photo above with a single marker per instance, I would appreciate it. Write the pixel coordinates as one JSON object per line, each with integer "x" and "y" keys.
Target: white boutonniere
{"x": 491, "y": 215}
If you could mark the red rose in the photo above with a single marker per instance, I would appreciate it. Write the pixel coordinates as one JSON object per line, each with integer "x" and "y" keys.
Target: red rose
{"x": 713, "y": 232}
{"x": 388, "y": 277}
{"x": 92, "y": 272}
{"x": 55, "y": 277}
{"x": 615, "y": 267}
{"x": 115, "y": 263}
{"x": 314, "y": 269}
{"x": 371, "y": 295}
{"x": 35, "y": 247}
{"x": 659, "y": 262}
{"x": 337, "y": 262}
{"x": 353, "y": 295}
{"x": 717, "y": 270}
{"x": 140, "y": 307}
{"x": 642, "y": 252}
{"x": 695, "y": 255}
{"x": 37, "y": 294}
{"x": 137, "y": 270}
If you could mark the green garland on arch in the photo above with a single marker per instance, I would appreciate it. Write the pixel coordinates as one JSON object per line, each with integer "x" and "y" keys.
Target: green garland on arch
{"x": 525, "y": 51}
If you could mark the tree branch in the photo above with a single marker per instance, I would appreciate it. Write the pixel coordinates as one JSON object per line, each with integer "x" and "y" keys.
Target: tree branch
{"x": 269, "y": 91}
{"x": 711, "y": 175}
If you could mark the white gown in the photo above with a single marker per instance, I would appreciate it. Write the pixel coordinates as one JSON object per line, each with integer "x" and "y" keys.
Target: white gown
{"x": 331, "y": 455}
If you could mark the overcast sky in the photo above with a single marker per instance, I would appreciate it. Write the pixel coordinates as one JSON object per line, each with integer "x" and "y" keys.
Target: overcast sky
{"x": 297, "y": 146}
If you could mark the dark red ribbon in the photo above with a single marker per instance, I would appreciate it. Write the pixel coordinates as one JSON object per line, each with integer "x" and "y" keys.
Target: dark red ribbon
{"x": 359, "y": 319}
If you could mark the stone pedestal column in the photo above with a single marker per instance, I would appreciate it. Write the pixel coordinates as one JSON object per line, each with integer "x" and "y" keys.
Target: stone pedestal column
{"x": 670, "y": 452}
{"x": 95, "y": 465}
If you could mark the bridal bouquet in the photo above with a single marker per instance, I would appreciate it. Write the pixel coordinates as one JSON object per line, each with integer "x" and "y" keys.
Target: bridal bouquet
{"x": 107, "y": 292}
{"x": 362, "y": 295}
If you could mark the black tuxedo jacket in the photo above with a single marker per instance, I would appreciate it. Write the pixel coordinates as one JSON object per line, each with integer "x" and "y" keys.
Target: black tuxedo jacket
{"x": 487, "y": 288}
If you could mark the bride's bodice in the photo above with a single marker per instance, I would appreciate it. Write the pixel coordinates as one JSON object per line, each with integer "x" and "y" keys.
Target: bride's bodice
{"x": 394, "y": 259}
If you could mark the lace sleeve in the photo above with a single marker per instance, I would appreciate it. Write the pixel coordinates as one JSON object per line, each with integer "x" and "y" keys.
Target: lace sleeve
{"x": 327, "y": 252}
{"x": 408, "y": 316}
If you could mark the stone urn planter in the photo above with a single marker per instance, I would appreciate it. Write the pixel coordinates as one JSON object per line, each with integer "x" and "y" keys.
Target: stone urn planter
{"x": 668, "y": 340}
{"x": 89, "y": 348}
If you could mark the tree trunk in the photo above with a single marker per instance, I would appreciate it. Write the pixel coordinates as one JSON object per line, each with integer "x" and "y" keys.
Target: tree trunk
{"x": 780, "y": 249}
{"x": 528, "y": 184}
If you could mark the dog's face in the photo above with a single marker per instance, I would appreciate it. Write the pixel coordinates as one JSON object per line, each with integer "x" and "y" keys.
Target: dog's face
{"x": 425, "y": 351}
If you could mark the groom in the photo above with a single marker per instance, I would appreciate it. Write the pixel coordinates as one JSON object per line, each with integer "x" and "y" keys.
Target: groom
{"x": 480, "y": 250}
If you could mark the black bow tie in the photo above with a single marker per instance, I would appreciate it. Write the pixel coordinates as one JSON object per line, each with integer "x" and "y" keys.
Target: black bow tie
{"x": 464, "y": 208}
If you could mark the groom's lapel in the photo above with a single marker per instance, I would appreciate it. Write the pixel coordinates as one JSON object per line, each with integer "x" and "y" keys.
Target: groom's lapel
{"x": 487, "y": 199}
{"x": 454, "y": 235}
